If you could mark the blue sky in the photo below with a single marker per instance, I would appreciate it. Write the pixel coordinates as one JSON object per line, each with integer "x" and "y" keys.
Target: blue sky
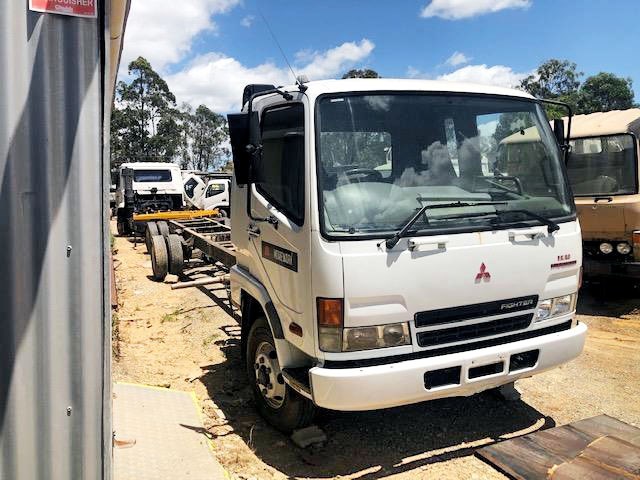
{"x": 208, "y": 49}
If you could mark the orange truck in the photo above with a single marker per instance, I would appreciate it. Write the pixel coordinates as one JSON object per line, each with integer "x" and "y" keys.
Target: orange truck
{"x": 603, "y": 172}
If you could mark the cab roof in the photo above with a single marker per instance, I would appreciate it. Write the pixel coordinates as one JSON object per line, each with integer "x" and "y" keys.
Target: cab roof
{"x": 150, "y": 165}
{"x": 319, "y": 87}
{"x": 605, "y": 123}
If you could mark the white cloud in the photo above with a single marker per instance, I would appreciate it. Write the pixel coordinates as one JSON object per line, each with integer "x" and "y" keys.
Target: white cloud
{"x": 327, "y": 64}
{"x": 457, "y": 58}
{"x": 162, "y": 31}
{"x": 247, "y": 21}
{"x": 217, "y": 80}
{"x": 496, "y": 75}
{"x": 413, "y": 72}
{"x": 458, "y": 9}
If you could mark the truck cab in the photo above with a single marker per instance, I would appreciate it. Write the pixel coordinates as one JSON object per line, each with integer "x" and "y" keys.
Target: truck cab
{"x": 210, "y": 194}
{"x": 384, "y": 253}
{"x": 603, "y": 171}
{"x": 146, "y": 187}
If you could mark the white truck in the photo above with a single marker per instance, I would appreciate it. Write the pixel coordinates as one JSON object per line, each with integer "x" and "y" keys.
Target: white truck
{"x": 211, "y": 194}
{"x": 146, "y": 187}
{"x": 451, "y": 273}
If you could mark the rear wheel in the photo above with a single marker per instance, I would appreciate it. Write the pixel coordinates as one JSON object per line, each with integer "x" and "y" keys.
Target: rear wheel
{"x": 277, "y": 402}
{"x": 150, "y": 231}
{"x": 159, "y": 258}
{"x": 176, "y": 257}
{"x": 163, "y": 228}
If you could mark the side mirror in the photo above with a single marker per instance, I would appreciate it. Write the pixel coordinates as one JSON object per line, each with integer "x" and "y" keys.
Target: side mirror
{"x": 240, "y": 139}
{"x": 558, "y": 131}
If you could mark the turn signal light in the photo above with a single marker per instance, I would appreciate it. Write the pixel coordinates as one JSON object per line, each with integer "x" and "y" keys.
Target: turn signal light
{"x": 330, "y": 312}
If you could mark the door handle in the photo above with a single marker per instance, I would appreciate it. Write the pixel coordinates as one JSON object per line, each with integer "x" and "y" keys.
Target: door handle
{"x": 253, "y": 231}
{"x": 532, "y": 233}
{"x": 440, "y": 241}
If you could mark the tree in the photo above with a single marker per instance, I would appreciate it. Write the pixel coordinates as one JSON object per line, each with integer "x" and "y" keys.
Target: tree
{"x": 204, "y": 138}
{"x": 553, "y": 79}
{"x": 604, "y": 92}
{"x": 361, "y": 73}
{"x": 143, "y": 125}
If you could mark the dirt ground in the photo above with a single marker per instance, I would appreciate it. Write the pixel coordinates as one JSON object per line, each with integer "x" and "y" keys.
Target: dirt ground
{"x": 188, "y": 340}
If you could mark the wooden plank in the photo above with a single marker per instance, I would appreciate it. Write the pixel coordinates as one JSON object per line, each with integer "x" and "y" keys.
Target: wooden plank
{"x": 534, "y": 455}
{"x": 605, "y": 425}
{"x": 520, "y": 458}
{"x": 583, "y": 469}
{"x": 616, "y": 453}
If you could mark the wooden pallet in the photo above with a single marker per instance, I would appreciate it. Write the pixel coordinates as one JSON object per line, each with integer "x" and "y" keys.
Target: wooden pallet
{"x": 596, "y": 448}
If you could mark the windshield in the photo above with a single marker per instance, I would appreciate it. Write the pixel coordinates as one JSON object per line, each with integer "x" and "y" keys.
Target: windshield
{"x": 383, "y": 156}
{"x": 152, "y": 175}
{"x": 603, "y": 165}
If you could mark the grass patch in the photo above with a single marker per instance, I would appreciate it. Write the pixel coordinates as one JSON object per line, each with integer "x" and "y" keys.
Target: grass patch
{"x": 170, "y": 317}
{"x": 115, "y": 335}
{"x": 210, "y": 339}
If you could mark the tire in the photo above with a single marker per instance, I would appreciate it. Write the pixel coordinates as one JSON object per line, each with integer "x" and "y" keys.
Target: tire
{"x": 176, "y": 257}
{"x": 122, "y": 229}
{"x": 286, "y": 412}
{"x": 159, "y": 258}
{"x": 223, "y": 212}
{"x": 150, "y": 231}
{"x": 163, "y": 228}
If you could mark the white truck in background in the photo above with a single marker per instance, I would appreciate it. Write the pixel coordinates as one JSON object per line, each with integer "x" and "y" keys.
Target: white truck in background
{"x": 381, "y": 252}
{"x": 146, "y": 187}
{"x": 208, "y": 191}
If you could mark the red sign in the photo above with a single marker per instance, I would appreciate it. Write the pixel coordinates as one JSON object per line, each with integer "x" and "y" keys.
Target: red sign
{"x": 76, "y": 8}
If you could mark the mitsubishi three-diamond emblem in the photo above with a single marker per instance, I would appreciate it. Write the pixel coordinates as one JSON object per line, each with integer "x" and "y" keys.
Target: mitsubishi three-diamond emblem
{"x": 483, "y": 274}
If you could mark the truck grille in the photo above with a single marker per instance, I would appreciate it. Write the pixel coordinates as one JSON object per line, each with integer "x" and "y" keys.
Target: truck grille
{"x": 474, "y": 331}
{"x": 477, "y": 310}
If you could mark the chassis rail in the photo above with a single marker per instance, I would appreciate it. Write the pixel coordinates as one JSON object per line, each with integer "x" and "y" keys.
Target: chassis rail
{"x": 211, "y": 237}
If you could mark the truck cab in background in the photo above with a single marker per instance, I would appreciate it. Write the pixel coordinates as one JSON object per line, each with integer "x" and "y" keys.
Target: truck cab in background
{"x": 146, "y": 187}
{"x": 604, "y": 174}
{"x": 385, "y": 255}
{"x": 205, "y": 191}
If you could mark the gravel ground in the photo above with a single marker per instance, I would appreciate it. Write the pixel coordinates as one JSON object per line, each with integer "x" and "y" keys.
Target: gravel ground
{"x": 188, "y": 340}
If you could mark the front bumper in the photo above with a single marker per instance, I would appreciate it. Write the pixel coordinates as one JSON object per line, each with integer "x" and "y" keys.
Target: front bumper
{"x": 599, "y": 268}
{"x": 383, "y": 386}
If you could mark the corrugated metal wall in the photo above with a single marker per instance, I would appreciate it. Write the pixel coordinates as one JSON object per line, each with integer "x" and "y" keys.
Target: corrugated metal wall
{"x": 54, "y": 344}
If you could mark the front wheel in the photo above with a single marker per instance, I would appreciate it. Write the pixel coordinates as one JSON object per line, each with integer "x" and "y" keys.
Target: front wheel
{"x": 277, "y": 402}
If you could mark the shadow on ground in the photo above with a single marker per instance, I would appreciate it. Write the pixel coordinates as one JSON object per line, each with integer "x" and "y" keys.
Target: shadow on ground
{"x": 387, "y": 441}
{"x": 608, "y": 298}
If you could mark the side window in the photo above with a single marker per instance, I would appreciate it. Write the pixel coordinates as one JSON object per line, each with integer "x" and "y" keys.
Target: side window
{"x": 214, "y": 189}
{"x": 279, "y": 176}
{"x": 189, "y": 187}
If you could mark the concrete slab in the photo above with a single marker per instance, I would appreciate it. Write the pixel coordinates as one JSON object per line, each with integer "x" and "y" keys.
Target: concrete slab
{"x": 168, "y": 433}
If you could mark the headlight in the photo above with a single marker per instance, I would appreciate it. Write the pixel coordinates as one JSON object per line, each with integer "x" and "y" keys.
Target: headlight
{"x": 380, "y": 336}
{"x": 623, "y": 248}
{"x": 606, "y": 248}
{"x": 554, "y": 307}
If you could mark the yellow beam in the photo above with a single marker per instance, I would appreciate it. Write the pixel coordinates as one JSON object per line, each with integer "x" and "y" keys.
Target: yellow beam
{"x": 174, "y": 215}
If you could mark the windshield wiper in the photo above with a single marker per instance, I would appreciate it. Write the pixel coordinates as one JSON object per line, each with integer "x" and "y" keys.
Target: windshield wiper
{"x": 393, "y": 240}
{"x": 551, "y": 225}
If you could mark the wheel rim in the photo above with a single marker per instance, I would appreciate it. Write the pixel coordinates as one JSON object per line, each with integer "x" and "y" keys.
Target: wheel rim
{"x": 268, "y": 375}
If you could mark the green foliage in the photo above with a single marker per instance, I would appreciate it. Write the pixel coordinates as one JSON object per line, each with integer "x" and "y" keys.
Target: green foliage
{"x": 142, "y": 124}
{"x": 560, "y": 80}
{"x": 604, "y": 92}
{"x": 361, "y": 73}
{"x": 146, "y": 125}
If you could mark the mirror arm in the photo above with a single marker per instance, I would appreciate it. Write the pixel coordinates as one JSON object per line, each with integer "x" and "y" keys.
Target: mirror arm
{"x": 565, "y": 147}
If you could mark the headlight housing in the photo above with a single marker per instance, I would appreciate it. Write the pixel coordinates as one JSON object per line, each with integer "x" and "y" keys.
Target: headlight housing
{"x": 606, "y": 248}
{"x": 555, "y": 307}
{"x": 379, "y": 336}
{"x": 623, "y": 248}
